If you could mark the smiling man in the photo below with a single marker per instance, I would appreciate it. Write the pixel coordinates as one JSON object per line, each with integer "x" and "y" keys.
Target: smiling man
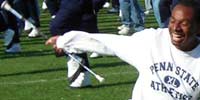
{"x": 168, "y": 59}
{"x": 183, "y": 28}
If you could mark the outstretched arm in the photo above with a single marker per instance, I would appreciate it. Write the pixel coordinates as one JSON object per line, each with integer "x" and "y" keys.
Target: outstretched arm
{"x": 128, "y": 48}
{"x": 131, "y": 49}
{"x": 77, "y": 42}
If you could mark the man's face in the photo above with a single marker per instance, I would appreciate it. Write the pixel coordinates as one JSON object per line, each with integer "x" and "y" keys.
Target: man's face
{"x": 182, "y": 27}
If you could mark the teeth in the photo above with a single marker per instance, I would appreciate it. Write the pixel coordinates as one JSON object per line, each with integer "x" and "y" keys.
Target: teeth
{"x": 177, "y": 37}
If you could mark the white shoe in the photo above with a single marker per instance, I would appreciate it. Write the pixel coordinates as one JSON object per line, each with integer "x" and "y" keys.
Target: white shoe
{"x": 15, "y": 48}
{"x": 8, "y": 36}
{"x": 27, "y": 26}
{"x": 73, "y": 67}
{"x": 125, "y": 31}
{"x": 53, "y": 16}
{"x": 147, "y": 12}
{"x": 44, "y": 6}
{"x": 106, "y": 5}
{"x": 82, "y": 80}
{"x": 94, "y": 55}
{"x": 34, "y": 33}
{"x": 120, "y": 27}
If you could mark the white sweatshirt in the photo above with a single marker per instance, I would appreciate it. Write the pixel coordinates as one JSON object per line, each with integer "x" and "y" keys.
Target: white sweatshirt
{"x": 165, "y": 73}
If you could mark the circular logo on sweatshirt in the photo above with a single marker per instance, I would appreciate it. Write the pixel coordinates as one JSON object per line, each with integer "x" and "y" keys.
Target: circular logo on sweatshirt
{"x": 172, "y": 81}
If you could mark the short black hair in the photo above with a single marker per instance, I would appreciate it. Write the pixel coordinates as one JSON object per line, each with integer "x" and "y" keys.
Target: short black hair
{"x": 195, "y": 4}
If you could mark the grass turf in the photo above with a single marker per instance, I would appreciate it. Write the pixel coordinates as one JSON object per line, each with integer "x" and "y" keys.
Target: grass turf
{"x": 36, "y": 74}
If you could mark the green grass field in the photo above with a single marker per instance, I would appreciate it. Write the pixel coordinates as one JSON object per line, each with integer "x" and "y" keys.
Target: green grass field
{"x": 36, "y": 74}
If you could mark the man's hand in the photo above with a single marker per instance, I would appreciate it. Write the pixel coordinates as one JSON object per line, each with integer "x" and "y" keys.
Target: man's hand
{"x": 52, "y": 41}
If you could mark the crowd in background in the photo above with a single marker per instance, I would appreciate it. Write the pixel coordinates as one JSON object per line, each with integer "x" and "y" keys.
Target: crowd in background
{"x": 130, "y": 12}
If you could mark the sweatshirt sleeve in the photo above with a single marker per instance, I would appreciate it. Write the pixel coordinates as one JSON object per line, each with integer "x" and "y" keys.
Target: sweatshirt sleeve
{"x": 78, "y": 42}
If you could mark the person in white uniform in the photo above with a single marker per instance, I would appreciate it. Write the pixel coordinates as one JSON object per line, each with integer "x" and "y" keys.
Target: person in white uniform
{"x": 167, "y": 59}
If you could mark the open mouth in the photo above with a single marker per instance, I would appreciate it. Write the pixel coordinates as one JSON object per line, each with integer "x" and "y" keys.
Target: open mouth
{"x": 177, "y": 38}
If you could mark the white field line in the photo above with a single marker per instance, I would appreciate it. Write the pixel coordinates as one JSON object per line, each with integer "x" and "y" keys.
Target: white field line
{"x": 54, "y": 80}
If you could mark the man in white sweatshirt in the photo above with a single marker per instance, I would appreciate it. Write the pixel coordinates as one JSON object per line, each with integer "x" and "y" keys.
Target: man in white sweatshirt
{"x": 168, "y": 59}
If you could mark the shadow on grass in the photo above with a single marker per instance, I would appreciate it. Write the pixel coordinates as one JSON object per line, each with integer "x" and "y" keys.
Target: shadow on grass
{"x": 105, "y": 85}
{"x": 33, "y": 72}
{"x": 27, "y": 54}
{"x": 57, "y": 69}
{"x": 100, "y": 62}
{"x": 111, "y": 84}
{"x": 109, "y": 64}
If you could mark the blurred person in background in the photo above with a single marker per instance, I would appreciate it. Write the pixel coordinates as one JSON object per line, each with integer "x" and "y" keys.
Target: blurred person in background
{"x": 132, "y": 17}
{"x": 8, "y": 25}
{"x": 30, "y": 10}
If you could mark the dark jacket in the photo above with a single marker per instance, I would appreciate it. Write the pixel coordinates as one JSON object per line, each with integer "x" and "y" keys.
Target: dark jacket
{"x": 75, "y": 15}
